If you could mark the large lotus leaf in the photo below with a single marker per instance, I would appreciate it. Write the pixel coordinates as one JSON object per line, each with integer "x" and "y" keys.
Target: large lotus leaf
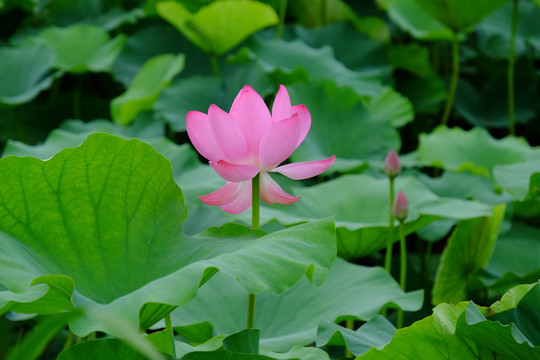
{"x": 349, "y": 292}
{"x": 81, "y": 48}
{"x": 73, "y": 132}
{"x": 151, "y": 41}
{"x": 488, "y": 106}
{"x": 525, "y": 316}
{"x": 474, "y": 150}
{"x": 422, "y": 341}
{"x": 227, "y": 347}
{"x": 292, "y": 61}
{"x": 96, "y": 12}
{"x": 515, "y": 258}
{"x": 107, "y": 215}
{"x": 366, "y": 54}
{"x": 412, "y": 18}
{"x": 101, "y": 349}
{"x": 155, "y": 75}
{"x": 522, "y": 180}
{"x": 186, "y": 94}
{"x": 190, "y": 174}
{"x": 26, "y": 71}
{"x": 494, "y": 35}
{"x": 375, "y": 333}
{"x": 345, "y": 125}
{"x": 460, "y": 15}
{"x": 507, "y": 338}
{"x": 360, "y": 206}
{"x": 468, "y": 250}
{"x": 461, "y": 331}
{"x": 221, "y": 25}
{"x": 466, "y": 185}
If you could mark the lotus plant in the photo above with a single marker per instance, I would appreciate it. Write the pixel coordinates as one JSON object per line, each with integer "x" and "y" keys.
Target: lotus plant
{"x": 249, "y": 141}
{"x": 245, "y": 145}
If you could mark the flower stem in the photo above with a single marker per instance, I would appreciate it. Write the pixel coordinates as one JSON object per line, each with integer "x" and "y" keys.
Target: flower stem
{"x": 281, "y": 25}
{"x": 453, "y": 81}
{"x": 403, "y": 272}
{"x": 255, "y": 219}
{"x": 350, "y": 326}
{"x": 215, "y": 65}
{"x": 390, "y": 243}
{"x": 511, "y": 60}
{"x": 168, "y": 326}
{"x": 255, "y": 203}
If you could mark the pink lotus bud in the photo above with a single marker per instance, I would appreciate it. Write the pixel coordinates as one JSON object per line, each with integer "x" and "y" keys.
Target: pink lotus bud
{"x": 401, "y": 207}
{"x": 392, "y": 166}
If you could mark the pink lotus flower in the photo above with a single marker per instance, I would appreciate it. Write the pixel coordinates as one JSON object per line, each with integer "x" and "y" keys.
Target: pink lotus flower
{"x": 248, "y": 141}
{"x": 401, "y": 207}
{"x": 392, "y": 165}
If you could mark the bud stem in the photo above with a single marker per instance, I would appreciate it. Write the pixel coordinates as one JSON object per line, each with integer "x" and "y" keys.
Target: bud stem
{"x": 403, "y": 272}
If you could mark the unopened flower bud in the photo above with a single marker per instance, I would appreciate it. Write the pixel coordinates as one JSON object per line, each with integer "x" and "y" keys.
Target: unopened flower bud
{"x": 392, "y": 165}
{"x": 401, "y": 207}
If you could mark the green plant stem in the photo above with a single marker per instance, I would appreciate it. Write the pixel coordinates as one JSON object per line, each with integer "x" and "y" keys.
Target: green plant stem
{"x": 511, "y": 60}
{"x": 215, "y": 65}
{"x": 281, "y": 25}
{"x": 350, "y": 325}
{"x": 168, "y": 326}
{"x": 403, "y": 270}
{"x": 255, "y": 219}
{"x": 390, "y": 242}
{"x": 69, "y": 340}
{"x": 453, "y": 81}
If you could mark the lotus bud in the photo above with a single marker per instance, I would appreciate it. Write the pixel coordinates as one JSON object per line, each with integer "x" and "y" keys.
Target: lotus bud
{"x": 401, "y": 207}
{"x": 392, "y": 165}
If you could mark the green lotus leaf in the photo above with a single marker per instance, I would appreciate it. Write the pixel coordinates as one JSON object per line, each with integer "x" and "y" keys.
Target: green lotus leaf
{"x": 187, "y": 94}
{"x": 345, "y": 125}
{"x": 363, "y": 229}
{"x": 106, "y": 217}
{"x": 460, "y": 15}
{"x": 151, "y": 41}
{"x": 522, "y": 180}
{"x": 243, "y": 345}
{"x": 293, "y": 61}
{"x": 366, "y": 55}
{"x": 462, "y": 331}
{"x": 26, "y": 71}
{"x": 155, "y": 75}
{"x": 95, "y": 12}
{"x": 375, "y": 333}
{"x": 474, "y": 150}
{"x": 514, "y": 259}
{"x": 189, "y": 173}
{"x": 82, "y": 48}
{"x": 101, "y": 349}
{"x": 412, "y": 18}
{"x": 468, "y": 250}
{"x": 494, "y": 40}
{"x": 514, "y": 337}
{"x": 349, "y": 292}
{"x": 221, "y": 25}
